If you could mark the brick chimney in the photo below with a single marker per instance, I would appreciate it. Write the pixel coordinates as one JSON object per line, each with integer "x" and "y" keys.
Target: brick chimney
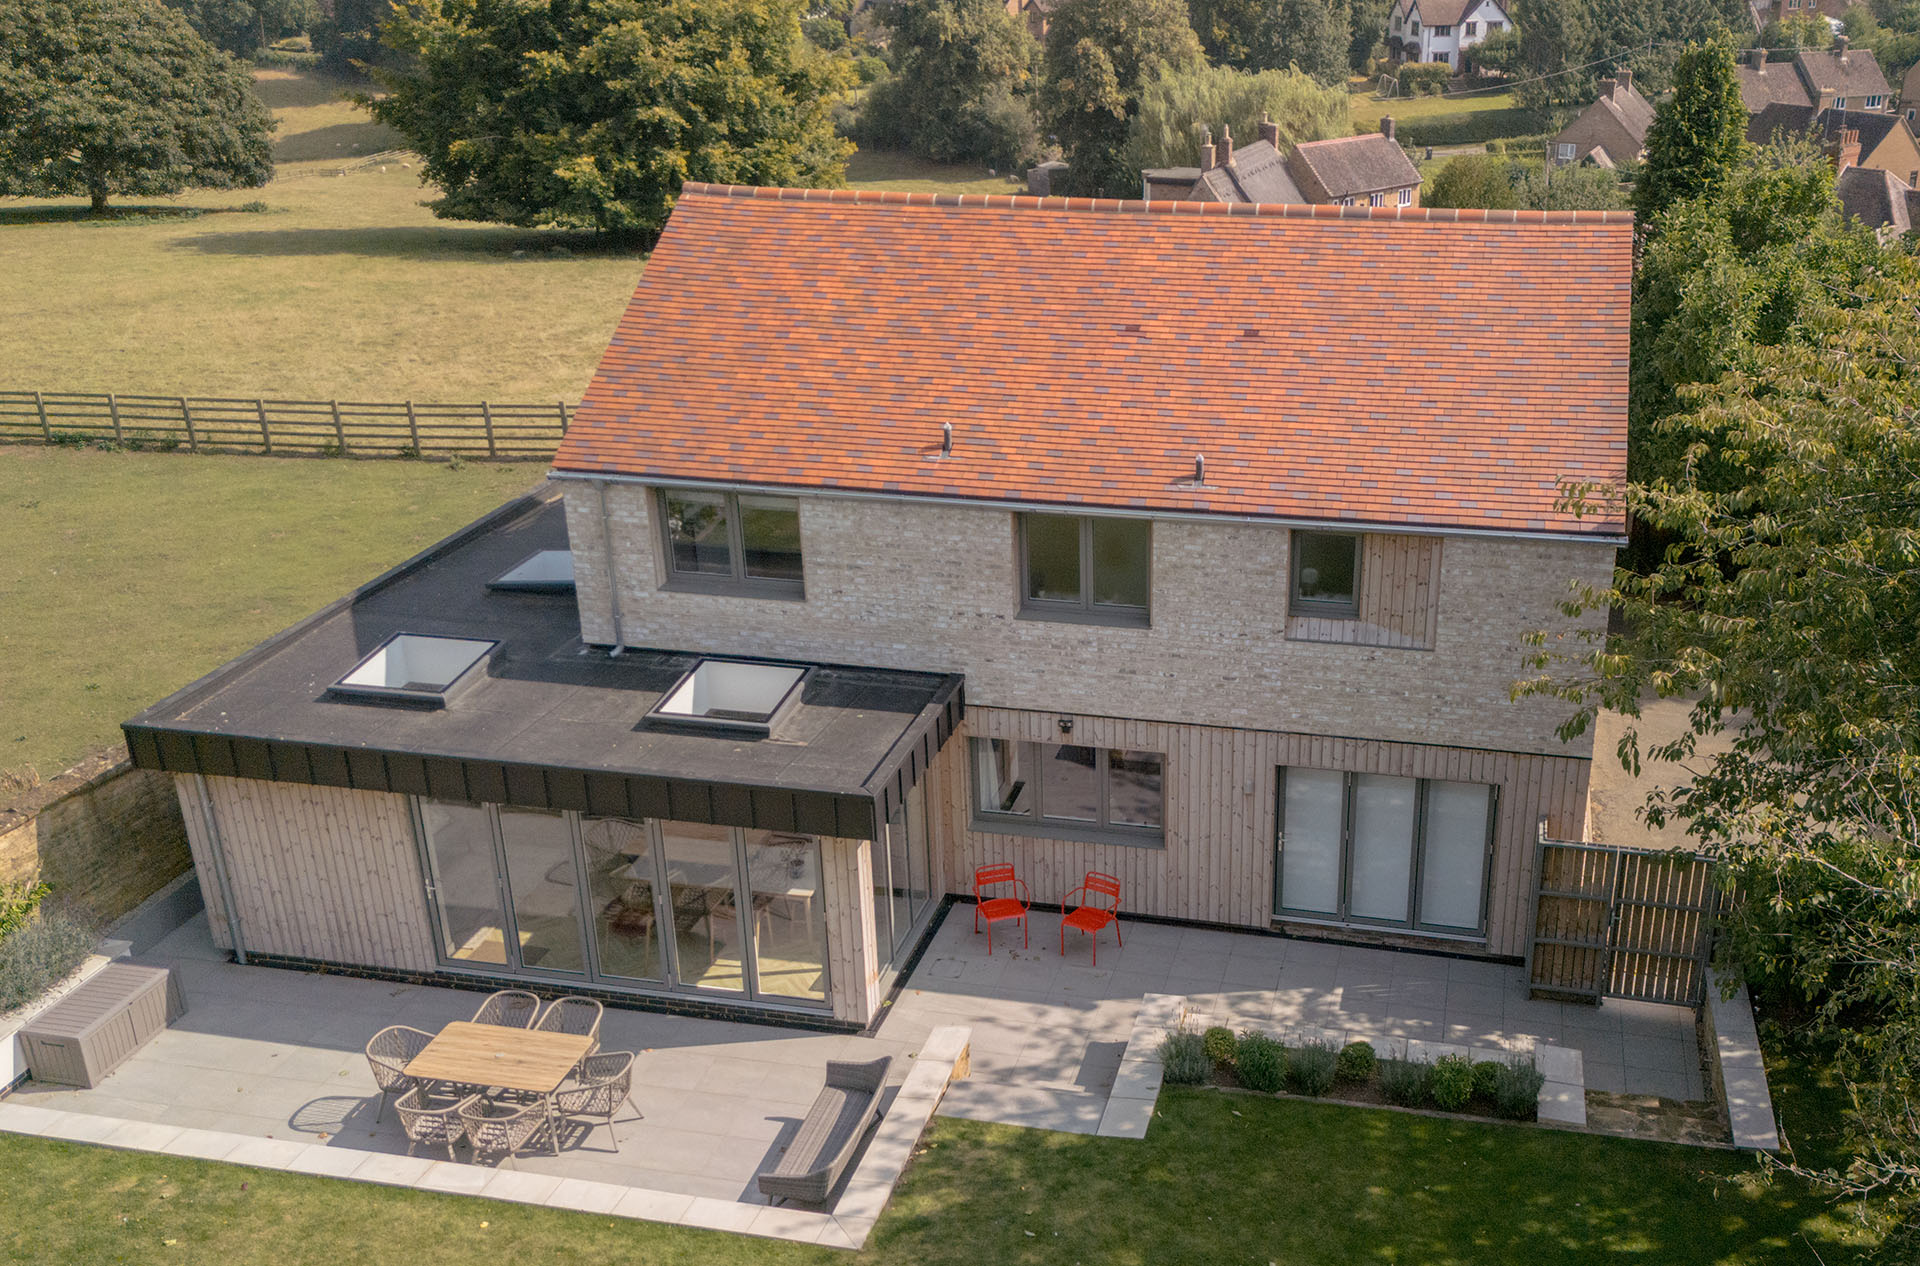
{"x": 1269, "y": 130}
{"x": 1757, "y": 58}
{"x": 1607, "y": 87}
{"x": 1386, "y": 126}
{"x": 1225, "y": 150}
{"x": 1846, "y": 151}
{"x": 1626, "y": 80}
{"x": 1206, "y": 150}
{"x": 1840, "y": 47}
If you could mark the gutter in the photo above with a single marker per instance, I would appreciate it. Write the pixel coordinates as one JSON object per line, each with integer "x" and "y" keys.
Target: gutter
{"x": 1618, "y": 540}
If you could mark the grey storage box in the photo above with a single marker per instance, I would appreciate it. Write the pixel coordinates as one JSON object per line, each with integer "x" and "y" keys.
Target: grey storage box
{"x": 96, "y": 1028}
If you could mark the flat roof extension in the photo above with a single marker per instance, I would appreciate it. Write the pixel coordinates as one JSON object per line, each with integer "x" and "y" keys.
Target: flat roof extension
{"x": 552, "y": 723}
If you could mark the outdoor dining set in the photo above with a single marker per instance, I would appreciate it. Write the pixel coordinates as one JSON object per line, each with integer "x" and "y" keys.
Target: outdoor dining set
{"x": 497, "y": 1081}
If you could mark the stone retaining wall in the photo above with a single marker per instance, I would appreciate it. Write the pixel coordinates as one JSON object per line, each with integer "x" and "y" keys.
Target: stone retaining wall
{"x": 103, "y": 835}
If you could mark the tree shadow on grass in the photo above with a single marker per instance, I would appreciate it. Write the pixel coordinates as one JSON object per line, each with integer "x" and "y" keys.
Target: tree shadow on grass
{"x": 343, "y": 143}
{"x": 412, "y": 242}
{"x": 132, "y": 213}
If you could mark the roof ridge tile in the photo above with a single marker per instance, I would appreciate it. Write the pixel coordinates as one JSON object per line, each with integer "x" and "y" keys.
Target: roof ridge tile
{"x": 1133, "y": 206}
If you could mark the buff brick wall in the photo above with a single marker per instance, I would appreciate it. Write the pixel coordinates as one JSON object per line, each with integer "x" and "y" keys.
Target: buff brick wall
{"x": 927, "y": 586}
{"x": 103, "y": 835}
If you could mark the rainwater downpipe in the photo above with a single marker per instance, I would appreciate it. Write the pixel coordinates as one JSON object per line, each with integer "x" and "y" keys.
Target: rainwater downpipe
{"x": 217, "y": 852}
{"x": 613, "y": 575}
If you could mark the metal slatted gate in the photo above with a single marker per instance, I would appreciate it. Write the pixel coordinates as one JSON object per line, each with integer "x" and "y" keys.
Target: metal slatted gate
{"x": 1620, "y": 923}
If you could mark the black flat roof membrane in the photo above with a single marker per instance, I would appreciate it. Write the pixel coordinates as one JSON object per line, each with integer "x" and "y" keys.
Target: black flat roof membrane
{"x": 552, "y": 723}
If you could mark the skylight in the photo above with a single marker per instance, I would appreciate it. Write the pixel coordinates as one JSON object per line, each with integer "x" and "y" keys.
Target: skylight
{"x": 547, "y": 571}
{"x": 726, "y": 694}
{"x": 417, "y": 668}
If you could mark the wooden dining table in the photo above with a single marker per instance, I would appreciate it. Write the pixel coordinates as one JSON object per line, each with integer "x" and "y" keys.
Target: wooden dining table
{"x": 527, "y": 1060}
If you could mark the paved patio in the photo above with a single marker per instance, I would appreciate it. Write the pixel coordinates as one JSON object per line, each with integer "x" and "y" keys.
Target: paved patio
{"x": 272, "y": 1054}
{"x": 280, "y": 1054}
{"x": 1048, "y": 1031}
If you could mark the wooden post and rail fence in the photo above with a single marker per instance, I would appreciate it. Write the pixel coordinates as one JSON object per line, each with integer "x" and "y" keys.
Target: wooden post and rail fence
{"x": 325, "y": 428}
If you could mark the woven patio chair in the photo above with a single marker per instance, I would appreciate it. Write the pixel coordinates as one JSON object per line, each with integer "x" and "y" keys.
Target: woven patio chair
{"x": 578, "y": 1016}
{"x": 510, "y": 1009}
{"x": 600, "y": 1085}
{"x": 388, "y": 1054}
{"x": 439, "y": 1124}
{"x": 502, "y": 1126}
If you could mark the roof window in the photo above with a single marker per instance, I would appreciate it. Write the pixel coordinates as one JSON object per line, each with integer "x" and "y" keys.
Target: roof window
{"x": 730, "y": 694}
{"x": 417, "y": 668}
{"x": 547, "y": 571}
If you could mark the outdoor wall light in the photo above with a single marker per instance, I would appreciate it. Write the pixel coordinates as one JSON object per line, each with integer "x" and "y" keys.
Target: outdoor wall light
{"x": 1066, "y": 725}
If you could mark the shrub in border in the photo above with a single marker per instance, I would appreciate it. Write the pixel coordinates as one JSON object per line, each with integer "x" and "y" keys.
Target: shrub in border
{"x": 1403, "y": 1082}
{"x": 1451, "y": 1083}
{"x": 1183, "y": 1059}
{"x": 1517, "y": 1093}
{"x": 1356, "y": 1062}
{"x": 1486, "y": 1079}
{"x": 40, "y": 953}
{"x": 1219, "y": 1044}
{"x": 1310, "y": 1068}
{"x": 1260, "y": 1062}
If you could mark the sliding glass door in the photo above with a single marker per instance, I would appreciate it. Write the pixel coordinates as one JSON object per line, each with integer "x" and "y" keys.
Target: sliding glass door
{"x": 463, "y": 880}
{"x": 702, "y": 884}
{"x": 544, "y": 884}
{"x": 621, "y": 888}
{"x": 1376, "y": 849}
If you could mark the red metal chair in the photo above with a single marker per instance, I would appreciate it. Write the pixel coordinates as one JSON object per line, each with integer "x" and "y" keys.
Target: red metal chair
{"x": 1093, "y": 914}
{"x": 999, "y": 909}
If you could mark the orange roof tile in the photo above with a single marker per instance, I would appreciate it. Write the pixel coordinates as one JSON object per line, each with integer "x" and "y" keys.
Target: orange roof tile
{"x": 1397, "y": 367}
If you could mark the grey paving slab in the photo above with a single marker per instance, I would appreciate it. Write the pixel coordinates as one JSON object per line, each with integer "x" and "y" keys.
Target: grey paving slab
{"x": 143, "y": 1136}
{"x": 584, "y": 1196}
{"x": 455, "y": 1177}
{"x": 328, "y": 1162}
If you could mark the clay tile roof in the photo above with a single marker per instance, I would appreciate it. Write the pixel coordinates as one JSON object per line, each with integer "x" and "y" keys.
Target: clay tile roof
{"x": 1878, "y": 199}
{"x": 1258, "y": 173}
{"x": 1409, "y": 367}
{"x": 1778, "y": 83}
{"x": 1350, "y": 165}
{"x": 1853, "y": 74}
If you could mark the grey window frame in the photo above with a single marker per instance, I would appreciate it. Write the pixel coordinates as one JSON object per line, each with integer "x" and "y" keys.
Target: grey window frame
{"x": 738, "y": 584}
{"x": 1316, "y": 607}
{"x": 1416, "y": 872}
{"x": 1035, "y": 822}
{"x": 1086, "y": 610}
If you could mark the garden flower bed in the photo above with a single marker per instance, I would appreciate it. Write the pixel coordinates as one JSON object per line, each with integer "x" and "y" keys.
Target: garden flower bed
{"x": 1354, "y": 1073}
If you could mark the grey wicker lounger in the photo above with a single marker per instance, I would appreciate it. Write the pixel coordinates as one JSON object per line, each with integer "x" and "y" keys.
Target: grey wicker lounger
{"x": 830, "y": 1135}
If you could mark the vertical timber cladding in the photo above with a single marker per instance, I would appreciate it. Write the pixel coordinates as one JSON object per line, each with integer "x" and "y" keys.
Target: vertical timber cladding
{"x": 316, "y": 872}
{"x": 1622, "y": 923}
{"x": 1218, "y": 863}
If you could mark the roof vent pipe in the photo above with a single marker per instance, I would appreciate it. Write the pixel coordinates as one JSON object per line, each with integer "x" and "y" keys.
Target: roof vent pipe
{"x": 613, "y": 575}
{"x": 1199, "y": 468}
{"x": 946, "y": 439}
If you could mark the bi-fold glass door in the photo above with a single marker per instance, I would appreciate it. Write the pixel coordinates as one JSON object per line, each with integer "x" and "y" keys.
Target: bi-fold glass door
{"x": 628, "y": 904}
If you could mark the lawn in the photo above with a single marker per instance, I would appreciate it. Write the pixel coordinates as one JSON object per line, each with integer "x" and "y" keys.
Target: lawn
{"x": 1463, "y": 120}
{"x": 345, "y": 287}
{"x": 1220, "y": 1179}
{"x": 128, "y": 575}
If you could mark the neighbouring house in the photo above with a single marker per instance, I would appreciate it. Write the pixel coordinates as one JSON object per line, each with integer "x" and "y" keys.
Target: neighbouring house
{"x": 1838, "y": 78}
{"x": 1879, "y": 141}
{"x": 853, "y": 577}
{"x": 1369, "y": 170}
{"x": 1767, "y": 11}
{"x": 1910, "y": 93}
{"x": 1612, "y": 131}
{"x": 1440, "y": 30}
{"x": 1880, "y": 200}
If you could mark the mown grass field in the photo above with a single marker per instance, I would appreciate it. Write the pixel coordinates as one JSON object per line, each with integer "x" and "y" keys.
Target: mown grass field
{"x": 127, "y": 575}
{"x": 1221, "y": 1178}
{"x": 345, "y": 287}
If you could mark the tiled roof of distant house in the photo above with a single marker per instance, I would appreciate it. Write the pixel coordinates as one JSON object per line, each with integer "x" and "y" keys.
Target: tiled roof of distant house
{"x": 1853, "y": 73}
{"x": 1878, "y": 199}
{"x": 1771, "y": 83}
{"x": 1348, "y": 166}
{"x": 1258, "y": 173}
{"x": 1450, "y": 369}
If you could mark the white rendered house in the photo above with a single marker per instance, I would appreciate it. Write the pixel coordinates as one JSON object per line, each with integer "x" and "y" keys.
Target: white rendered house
{"x": 1440, "y": 30}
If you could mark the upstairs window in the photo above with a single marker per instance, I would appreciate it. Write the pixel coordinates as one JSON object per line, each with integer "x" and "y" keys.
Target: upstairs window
{"x": 1564, "y": 152}
{"x": 1069, "y": 792}
{"x": 1376, "y": 199}
{"x": 1873, "y": 103}
{"x": 1406, "y": 197}
{"x": 732, "y": 542}
{"x": 1092, "y": 569}
{"x": 1326, "y": 575}
{"x": 1472, "y": 28}
{"x": 1439, "y": 31}
{"x": 1839, "y": 103}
